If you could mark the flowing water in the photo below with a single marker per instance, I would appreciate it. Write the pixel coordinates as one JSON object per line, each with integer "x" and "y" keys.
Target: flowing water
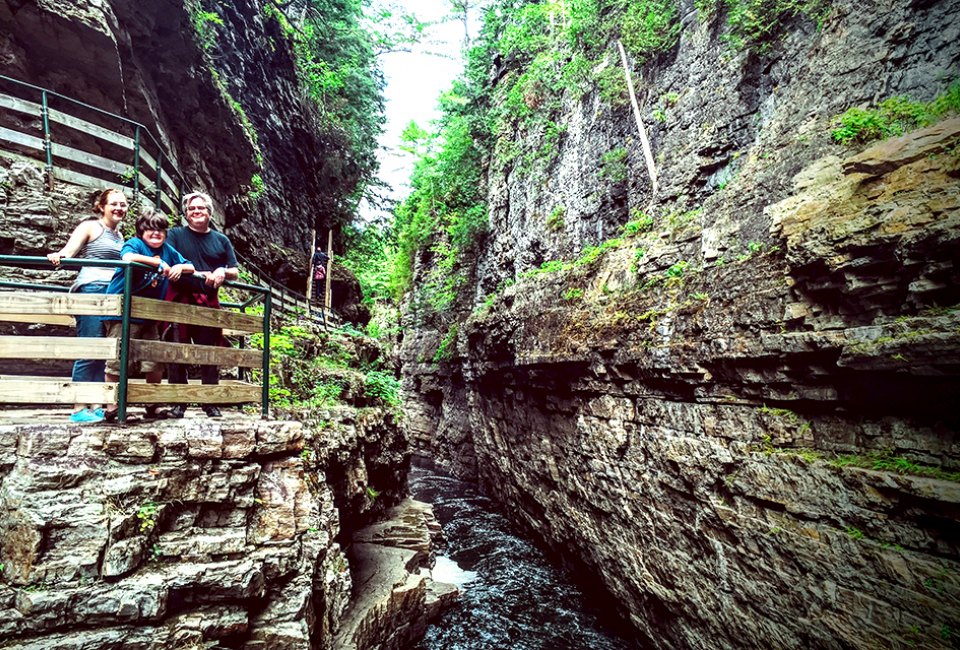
{"x": 512, "y": 597}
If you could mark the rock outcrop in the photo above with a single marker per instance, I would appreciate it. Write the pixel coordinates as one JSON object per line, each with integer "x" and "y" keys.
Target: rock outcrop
{"x": 739, "y": 419}
{"x": 189, "y": 533}
{"x": 395, "y": 594}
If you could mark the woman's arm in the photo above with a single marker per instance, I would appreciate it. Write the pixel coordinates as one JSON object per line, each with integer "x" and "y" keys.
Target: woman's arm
{"x": 78, "y": 239}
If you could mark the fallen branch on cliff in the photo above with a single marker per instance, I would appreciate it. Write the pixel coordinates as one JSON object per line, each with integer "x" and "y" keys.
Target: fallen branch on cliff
{"x": 644, "y": 141}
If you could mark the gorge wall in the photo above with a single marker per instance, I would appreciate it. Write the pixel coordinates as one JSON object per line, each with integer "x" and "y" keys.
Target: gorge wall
{"x": 197, "y": 533}
{"x": 739, "y": 419}
{"x": 213, "y": 93}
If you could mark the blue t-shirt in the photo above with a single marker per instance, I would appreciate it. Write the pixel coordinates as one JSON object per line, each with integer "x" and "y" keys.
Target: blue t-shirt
{"x": 146, "y": 283}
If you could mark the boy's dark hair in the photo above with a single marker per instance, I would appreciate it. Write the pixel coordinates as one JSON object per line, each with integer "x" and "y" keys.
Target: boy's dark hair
{"x": 151, "y": 220}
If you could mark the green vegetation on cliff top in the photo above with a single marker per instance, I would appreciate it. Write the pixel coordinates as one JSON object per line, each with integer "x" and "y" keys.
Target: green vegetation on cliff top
{"x": 506, "y": 109}
{"x": 334, "y": 44}
{"x": 895, "y": 116}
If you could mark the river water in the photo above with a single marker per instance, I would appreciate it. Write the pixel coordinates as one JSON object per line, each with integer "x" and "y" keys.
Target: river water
{"x": 512, "y": 597}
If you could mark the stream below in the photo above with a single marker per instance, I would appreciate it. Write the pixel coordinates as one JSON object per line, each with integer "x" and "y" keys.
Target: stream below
{"x": 512, "y": 596}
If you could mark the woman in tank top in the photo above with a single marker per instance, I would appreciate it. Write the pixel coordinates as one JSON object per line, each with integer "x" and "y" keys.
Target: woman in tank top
{"x": 97, "y": 239}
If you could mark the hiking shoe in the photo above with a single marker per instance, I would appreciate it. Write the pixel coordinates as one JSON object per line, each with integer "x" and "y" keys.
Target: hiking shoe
{"x": 177, "y": 411}
{"x": 212, "y": 412}
{"x": 86, "y": 416}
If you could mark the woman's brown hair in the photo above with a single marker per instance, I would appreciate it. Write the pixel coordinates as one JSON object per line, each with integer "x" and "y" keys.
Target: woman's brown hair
{"x": 101, "y": 201}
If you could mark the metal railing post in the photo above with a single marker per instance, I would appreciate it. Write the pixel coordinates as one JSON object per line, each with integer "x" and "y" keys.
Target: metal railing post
{"x": 124, "y": 343}
{"x": 47, "y": 143}
{"x": 265, "y": 405}
{"x": 136, "y": 161}
{"x": 159, "y": 179}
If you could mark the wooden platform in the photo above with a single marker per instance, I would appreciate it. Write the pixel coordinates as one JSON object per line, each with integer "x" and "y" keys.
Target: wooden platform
{"x": 61, "y": 415}
{"x": 55, "y": 390}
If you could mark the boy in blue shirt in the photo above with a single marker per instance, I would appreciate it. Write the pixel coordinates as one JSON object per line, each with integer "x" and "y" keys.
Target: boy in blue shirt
{"x": 151, "y": 248}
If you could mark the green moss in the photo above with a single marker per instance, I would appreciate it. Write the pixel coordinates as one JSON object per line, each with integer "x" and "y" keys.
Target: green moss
{"x": 447, "y": 346}
{"x": 572, "y": 294}
{"x": 757, "y": 24}
{"x": 555, "y": 220}
{"x": 613, "y": 165}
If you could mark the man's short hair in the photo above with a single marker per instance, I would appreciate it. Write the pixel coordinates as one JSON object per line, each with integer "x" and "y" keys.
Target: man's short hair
{"x": 207, "y": 201}
{"x": 151, "y": 220}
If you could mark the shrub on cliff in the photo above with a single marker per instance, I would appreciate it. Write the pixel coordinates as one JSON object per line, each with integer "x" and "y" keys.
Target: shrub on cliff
{"x": 895, "y": 116}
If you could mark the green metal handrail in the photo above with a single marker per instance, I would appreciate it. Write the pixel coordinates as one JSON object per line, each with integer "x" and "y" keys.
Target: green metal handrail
{"x": 138, "y": 128}
{"x": 23, "y": 261}
{"x": 139, "y": 133}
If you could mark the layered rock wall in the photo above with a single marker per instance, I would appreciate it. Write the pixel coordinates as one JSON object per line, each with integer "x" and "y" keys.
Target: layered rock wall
{"x": 739, "y": 420}
{"x": 216, "y": 107}
{"x": 189, "y": 533}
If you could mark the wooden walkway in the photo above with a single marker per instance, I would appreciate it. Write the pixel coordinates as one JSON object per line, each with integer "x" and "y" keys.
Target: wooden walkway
{"x": 55, "y": 308}
{"x": 10, "y": 415}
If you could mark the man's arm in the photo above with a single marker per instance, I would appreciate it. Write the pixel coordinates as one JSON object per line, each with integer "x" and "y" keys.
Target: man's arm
{"x": 221, "y": 274}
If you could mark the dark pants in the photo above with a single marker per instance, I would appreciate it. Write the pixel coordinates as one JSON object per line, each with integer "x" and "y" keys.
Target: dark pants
{"x": 177, "y": 372}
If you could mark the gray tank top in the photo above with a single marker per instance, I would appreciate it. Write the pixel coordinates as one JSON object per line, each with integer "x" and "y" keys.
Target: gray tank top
{"x": 106, "y": 246}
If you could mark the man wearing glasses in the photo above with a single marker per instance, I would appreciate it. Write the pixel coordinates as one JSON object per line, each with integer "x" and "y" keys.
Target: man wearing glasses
{"x": 215, "y": 261}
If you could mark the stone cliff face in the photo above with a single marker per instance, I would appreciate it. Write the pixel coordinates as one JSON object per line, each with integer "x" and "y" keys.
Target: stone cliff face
{"x": 728, "y": 429}
{"x": 144, "y": 61}
{"x": 187, "y": 534}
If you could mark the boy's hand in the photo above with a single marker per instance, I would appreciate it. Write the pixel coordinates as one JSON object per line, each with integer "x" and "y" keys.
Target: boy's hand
{"x": 174, "y": 272}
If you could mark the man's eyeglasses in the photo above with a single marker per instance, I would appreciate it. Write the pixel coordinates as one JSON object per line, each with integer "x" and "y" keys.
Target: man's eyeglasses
{"x": 197, "y": 208}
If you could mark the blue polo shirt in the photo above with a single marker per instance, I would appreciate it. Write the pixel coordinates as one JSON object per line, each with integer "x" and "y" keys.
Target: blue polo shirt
{"x": 146, "y": 283}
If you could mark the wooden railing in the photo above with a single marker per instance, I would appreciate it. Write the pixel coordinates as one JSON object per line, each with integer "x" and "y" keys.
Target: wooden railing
{"x": 84, "y": 145}
{"x": 99, "y": 149}
{"x": 49, "y": 305}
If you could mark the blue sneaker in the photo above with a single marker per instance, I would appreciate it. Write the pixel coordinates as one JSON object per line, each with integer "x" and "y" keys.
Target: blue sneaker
{"x": 86, "y": 416}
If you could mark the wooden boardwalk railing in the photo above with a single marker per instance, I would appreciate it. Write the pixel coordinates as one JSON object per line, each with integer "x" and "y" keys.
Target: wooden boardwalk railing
{"x": 105, "y": 150}
{"x": 46, "y": 307}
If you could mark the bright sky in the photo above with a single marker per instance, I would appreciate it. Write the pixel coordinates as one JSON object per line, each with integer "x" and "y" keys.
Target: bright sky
{"x": 414, "y": 83}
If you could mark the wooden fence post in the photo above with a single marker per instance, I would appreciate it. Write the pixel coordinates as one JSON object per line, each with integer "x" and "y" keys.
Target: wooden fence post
{"x": 311, "y": 270}
{"x": 328, "y": 297}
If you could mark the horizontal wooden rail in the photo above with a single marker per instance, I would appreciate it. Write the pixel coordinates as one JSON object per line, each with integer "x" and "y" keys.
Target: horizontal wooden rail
{"x": 42, "y": 306}
{"x": 226, "y": 392}
{"x": 57, "y": 347}
{"x": 174, "y": 312}
{"x": 208, "y": 355}
{"x": 46, "y": 390}
{"x": 44, "y": 303}
{"x": 22, "y": 139}
{"x": 89, "y": 128}
{"x": 70, "y": 348}
{"x": 88, "y": 159}
{"x": 42, "y": 319}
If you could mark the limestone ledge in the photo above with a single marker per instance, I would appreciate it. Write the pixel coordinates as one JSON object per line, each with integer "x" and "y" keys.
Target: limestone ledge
{"x": 395, "y": 595}
{"x": 182, "y": 532}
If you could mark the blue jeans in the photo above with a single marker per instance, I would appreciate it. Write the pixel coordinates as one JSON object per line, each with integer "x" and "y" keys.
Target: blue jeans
{"x": 89, "y": 326}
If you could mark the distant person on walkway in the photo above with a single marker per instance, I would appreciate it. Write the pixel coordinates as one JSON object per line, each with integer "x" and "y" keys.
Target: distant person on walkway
{"x": 319, "y": 263}
{"x": 151, "y": 248}
{"x": 96, "y": 239}
{"x": 215, "y": 260}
